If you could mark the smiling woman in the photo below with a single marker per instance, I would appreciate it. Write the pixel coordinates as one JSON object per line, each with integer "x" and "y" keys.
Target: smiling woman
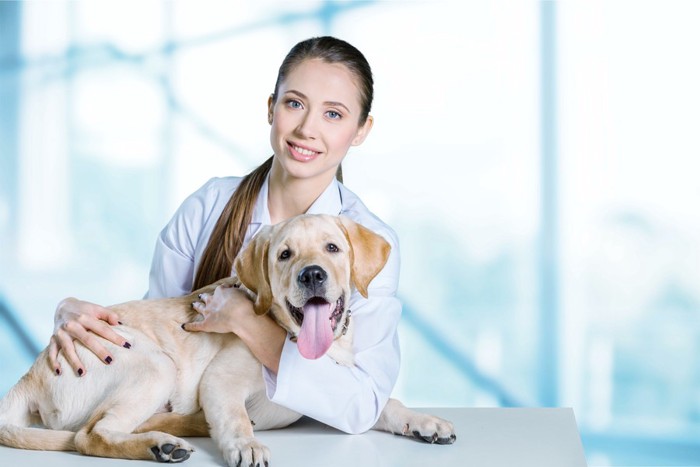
{"x": 318, "y": 110}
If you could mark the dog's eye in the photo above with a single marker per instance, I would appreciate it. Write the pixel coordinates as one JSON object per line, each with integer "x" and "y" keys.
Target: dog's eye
{"x": 286, "y": 254}
{"x": 332, "y": 247}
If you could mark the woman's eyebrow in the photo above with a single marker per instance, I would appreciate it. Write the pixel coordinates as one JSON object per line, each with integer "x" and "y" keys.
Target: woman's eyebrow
{"x": 327, "y": 103}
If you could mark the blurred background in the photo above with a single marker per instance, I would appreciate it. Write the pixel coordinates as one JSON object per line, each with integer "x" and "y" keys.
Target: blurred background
{"x": 539, "y": 161}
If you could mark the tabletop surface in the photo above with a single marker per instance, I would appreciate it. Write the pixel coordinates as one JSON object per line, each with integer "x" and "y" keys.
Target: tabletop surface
{"x": 486, "y": 437}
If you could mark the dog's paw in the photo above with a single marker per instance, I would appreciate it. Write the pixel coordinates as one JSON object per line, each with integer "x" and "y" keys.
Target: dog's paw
{"x": 245, "y": 452}
{"x": 431, "y": 429}
{"x": 216, "y": 300}
{"x": 168, "y": 452}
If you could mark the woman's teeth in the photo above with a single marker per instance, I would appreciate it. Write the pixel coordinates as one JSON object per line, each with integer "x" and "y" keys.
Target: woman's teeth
{"x": 304, "y": 152}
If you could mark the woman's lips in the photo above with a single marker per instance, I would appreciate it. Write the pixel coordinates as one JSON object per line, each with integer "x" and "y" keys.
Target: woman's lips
{"x": 301, "y": 153}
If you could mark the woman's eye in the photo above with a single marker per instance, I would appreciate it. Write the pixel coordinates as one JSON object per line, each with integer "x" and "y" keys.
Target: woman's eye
{"x": 332, "y": 248}
{"x": 286, "y": 254}
{"x": 294, "y": 104}
{"x": 333, "y": 115}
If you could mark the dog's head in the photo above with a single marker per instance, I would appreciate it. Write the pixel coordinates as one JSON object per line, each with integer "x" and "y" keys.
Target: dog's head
{"x": 303, "y": 271}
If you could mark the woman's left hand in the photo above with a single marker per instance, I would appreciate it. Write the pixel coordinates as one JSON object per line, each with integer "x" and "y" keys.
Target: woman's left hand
{"x": 228, "y": 309}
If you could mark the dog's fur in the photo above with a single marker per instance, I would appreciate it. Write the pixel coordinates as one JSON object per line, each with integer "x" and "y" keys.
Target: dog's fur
{"x": 194, "y": 384}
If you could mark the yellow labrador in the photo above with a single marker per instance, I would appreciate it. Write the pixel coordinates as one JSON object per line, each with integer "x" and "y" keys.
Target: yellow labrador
{"x": 193, "y": 384}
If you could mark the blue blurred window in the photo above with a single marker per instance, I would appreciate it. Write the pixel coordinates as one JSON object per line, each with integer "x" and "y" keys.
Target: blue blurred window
{"x": 538, "y": 161}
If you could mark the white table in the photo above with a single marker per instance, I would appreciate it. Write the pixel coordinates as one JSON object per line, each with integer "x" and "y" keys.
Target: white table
{"x": 485, "y": 438}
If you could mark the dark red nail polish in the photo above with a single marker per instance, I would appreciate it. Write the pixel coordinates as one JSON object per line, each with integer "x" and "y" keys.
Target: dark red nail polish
{"x": 58, "y": 372}
{"x": 127, "y": 345}
{"x": 108, "y": 360}
{"x": 120, "y": 322}
{"x": 80, "y": 372}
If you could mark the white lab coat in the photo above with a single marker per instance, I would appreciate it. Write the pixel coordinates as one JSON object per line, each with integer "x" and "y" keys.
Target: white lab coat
{"x": 349, "y": 399}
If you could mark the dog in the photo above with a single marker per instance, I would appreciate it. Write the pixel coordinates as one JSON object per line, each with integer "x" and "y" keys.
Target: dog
{"x": 199, "y": 384}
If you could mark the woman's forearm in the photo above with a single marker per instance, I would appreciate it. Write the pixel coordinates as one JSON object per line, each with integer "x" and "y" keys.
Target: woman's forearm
{"x": 265, "y": 339}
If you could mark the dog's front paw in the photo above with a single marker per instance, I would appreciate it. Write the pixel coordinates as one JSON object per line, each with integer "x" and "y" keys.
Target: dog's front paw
{"x": 168, "y": 452}
{"x": 430, "y": 429}
{"x": 245, "y": 452}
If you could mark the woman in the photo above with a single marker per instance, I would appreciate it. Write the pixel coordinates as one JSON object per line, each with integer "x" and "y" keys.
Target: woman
{"x": 318, "y": 110}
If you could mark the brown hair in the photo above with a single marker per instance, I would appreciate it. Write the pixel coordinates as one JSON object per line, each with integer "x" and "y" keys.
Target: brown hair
{"x": 230, "y": 230}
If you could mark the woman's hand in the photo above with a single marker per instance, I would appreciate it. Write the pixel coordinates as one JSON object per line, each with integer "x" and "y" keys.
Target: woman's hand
{"x": 76, "y": 319}
{"x": 228, "y": 309}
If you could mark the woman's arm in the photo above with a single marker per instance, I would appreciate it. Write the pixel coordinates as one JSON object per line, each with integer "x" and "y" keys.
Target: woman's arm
{"x": 171, "y": 275}
{"x": 230, "y": 310}
{"x": 78, "y": 320}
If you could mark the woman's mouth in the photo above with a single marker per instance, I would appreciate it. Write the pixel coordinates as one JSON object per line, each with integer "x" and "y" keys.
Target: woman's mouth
{"x": 300, "y": 153}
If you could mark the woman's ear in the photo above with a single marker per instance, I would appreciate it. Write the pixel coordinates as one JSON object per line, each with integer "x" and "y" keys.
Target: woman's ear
{"x": 251, "y": 269}
{"x": 270, "y": 109}
{"x": 363, "y": 131}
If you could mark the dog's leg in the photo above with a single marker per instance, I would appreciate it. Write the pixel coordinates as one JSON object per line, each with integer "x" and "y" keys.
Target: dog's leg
{"x": 223, "y": 393}
{"x": 176, "y": 424}
{"x": 109, "y": 434}
{"x": 233, "y": 432}
{"x": 143, "y": 380}
{"x": 398, "y": 419}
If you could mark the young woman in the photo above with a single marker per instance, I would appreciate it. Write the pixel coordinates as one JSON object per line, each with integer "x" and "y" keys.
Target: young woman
{"x": 318, "y": 110}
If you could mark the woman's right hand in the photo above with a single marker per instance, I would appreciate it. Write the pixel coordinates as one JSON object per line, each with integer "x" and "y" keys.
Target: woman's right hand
{"x": 79, "y": 320}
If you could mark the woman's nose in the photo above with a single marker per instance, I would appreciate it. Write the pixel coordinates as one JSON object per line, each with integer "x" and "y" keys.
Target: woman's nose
{"x": 308, "y": 126}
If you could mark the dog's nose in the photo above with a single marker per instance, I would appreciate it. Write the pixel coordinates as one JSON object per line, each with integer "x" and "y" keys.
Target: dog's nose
{"x": 312, "y": 276}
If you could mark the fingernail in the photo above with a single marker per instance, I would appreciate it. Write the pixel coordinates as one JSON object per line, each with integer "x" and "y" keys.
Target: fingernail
{"x": 108, "y": 360}
{"x": 120, "y": 322}
{"x": 58, "y": 371}
{"x": 183, "y": 327}
{"x": 80, "y": 372}
{"x": 127, "y": 345}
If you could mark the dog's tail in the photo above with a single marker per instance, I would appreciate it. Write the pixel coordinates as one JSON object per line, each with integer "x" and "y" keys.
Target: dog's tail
{"x": 16, "y": 430}
{"x": 39, "y": 439}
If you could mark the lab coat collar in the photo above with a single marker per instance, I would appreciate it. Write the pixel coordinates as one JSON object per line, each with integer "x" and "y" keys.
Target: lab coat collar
{"x": 329, "y": 202}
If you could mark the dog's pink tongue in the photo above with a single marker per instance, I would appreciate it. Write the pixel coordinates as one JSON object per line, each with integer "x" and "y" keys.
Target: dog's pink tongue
{"x": 316, "y": 334}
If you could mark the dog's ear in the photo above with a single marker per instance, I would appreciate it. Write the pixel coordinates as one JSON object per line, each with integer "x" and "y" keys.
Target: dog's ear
{"x": 369, "y": 253}
{"x": 251, "y": 268}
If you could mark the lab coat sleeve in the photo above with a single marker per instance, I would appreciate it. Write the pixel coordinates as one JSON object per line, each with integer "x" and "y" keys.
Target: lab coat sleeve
{"x": 349, "y": 399}
{"x": 173, "y": 265}
{"x": 172, "y": 270}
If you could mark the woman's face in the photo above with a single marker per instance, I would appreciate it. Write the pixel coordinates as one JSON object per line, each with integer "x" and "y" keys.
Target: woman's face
{"x": 315, "y": 119}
